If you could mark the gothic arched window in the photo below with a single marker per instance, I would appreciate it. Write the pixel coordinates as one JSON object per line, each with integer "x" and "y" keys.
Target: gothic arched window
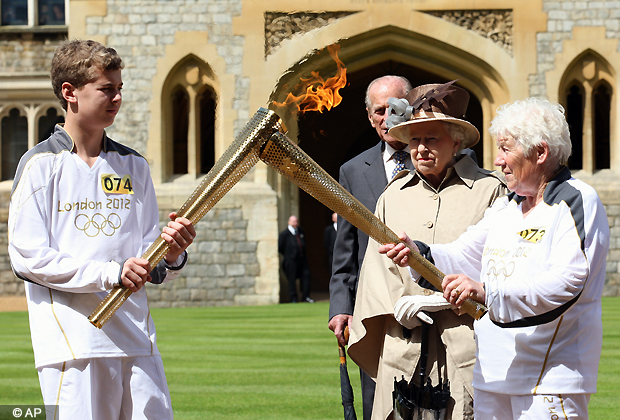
{"x": 207, "y": 103}
{"x": 180, "y": 123}
{"x": 601, "y": 113}
{"x": 190, "y": 103}
{"x": 587, "y": 95}
{"x": 574, "y": 116}
{"x": 47, "y": 123}
{"x": 14, "y": 128}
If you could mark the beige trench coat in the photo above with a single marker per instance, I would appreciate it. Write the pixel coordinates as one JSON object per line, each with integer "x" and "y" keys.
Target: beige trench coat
{"x": 377, "y": 344}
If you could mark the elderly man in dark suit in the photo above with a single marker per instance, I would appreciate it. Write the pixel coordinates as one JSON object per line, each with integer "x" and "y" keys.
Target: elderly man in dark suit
{"x": 365, "y": 176}
{"x": 292, "y": 246}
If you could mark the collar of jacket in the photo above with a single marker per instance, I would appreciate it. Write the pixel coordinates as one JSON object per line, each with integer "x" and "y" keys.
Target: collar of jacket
{"x": 465, "y": 168}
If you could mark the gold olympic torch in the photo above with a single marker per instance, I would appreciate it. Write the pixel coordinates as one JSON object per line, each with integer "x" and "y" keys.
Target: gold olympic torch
{"x": 238, "y": 159}
{"x": 292, "y": 162}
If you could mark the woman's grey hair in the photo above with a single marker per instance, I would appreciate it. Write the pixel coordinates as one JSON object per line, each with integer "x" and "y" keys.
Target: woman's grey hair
{"x": 405, "y": 83}
{"x": 532, "y": 121}
{"x": 456, "y": 132}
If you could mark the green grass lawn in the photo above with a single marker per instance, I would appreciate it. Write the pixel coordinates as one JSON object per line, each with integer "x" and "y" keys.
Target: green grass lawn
{"x": 270, "y": 362}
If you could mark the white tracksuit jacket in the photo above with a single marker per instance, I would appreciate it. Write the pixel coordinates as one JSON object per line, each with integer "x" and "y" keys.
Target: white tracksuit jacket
{"x": 70, "y": 229}
{"x": 543, "y": 276}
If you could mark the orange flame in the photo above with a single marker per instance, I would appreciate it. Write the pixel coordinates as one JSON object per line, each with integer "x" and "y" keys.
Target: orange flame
{"x": 319, "y": 93}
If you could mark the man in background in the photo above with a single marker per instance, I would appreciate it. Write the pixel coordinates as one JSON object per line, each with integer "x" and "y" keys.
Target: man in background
{"x": 292, "y": 246}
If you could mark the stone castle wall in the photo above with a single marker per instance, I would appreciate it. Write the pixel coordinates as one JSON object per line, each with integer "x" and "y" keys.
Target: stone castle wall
{"x": 612, "y": 278}
{"x": 222, "y": 265}
{"x": 563, "y": 16}
{"x": 27, "y": 53}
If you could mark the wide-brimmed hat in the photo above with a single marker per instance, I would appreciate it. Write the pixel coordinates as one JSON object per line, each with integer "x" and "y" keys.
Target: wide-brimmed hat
{"x": 434, "y": 102}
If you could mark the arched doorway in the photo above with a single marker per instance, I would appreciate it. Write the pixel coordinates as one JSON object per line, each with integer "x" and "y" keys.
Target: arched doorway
{"x": 331, "y": 138}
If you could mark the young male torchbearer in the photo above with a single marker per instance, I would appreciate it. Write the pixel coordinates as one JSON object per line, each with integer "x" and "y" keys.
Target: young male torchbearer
{"x": 83, "y": 209}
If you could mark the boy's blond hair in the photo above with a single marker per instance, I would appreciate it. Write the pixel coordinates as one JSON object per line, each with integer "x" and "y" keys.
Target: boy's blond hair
{"x": 78, "y": 62}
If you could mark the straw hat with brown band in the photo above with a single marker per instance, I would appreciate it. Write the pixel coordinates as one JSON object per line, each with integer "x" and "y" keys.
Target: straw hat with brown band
{"x": 434, "y": 102}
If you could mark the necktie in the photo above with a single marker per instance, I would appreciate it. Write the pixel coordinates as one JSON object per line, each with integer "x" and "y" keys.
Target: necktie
{"x": 399, "y": 156}
{"x": 298, "y": 239}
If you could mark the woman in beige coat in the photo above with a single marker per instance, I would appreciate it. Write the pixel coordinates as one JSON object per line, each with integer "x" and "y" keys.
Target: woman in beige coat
{"x": 435, "y": 203}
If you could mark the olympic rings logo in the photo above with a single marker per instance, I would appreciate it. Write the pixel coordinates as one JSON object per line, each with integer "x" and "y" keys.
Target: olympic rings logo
{"x": 93, "y": 226}
{"x": 499, "y": 270}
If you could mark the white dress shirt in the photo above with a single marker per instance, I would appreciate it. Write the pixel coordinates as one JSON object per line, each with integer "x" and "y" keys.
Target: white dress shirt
{"x": 390, "y": 163}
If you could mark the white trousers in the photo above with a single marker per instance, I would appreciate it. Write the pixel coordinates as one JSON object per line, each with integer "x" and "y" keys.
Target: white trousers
{"x": 494, "y": 406}
{"x": 124, "y": 388}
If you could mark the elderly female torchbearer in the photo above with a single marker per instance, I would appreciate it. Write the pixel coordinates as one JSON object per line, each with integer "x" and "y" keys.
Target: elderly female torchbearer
{"x": 537, "y": 260}
{"x": 444, "y": 195}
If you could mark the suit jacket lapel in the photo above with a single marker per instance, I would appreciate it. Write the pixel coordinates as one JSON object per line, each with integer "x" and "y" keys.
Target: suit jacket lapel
{"x": 375, "y": 173}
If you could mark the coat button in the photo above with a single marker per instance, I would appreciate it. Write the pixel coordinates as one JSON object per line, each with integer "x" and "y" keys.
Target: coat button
{"x": 435, "y": 196}
{"x": 429, "y": 225}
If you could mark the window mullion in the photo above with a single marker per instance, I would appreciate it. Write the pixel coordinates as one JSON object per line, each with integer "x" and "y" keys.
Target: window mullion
{"x": 588, "y": 142}
{"x": 31, "y": 114}
{"x": 32, "y": 13}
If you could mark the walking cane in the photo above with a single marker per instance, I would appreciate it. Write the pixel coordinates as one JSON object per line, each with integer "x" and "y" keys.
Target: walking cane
{"x": 345, "y": 384}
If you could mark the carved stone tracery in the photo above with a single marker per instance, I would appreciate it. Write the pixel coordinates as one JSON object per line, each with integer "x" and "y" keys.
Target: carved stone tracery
{"x": 280, "y": 26}
{"x": 493, "y": 24}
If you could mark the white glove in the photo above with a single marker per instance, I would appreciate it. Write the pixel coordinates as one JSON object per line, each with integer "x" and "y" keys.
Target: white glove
{"x": 408, "y": 309}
